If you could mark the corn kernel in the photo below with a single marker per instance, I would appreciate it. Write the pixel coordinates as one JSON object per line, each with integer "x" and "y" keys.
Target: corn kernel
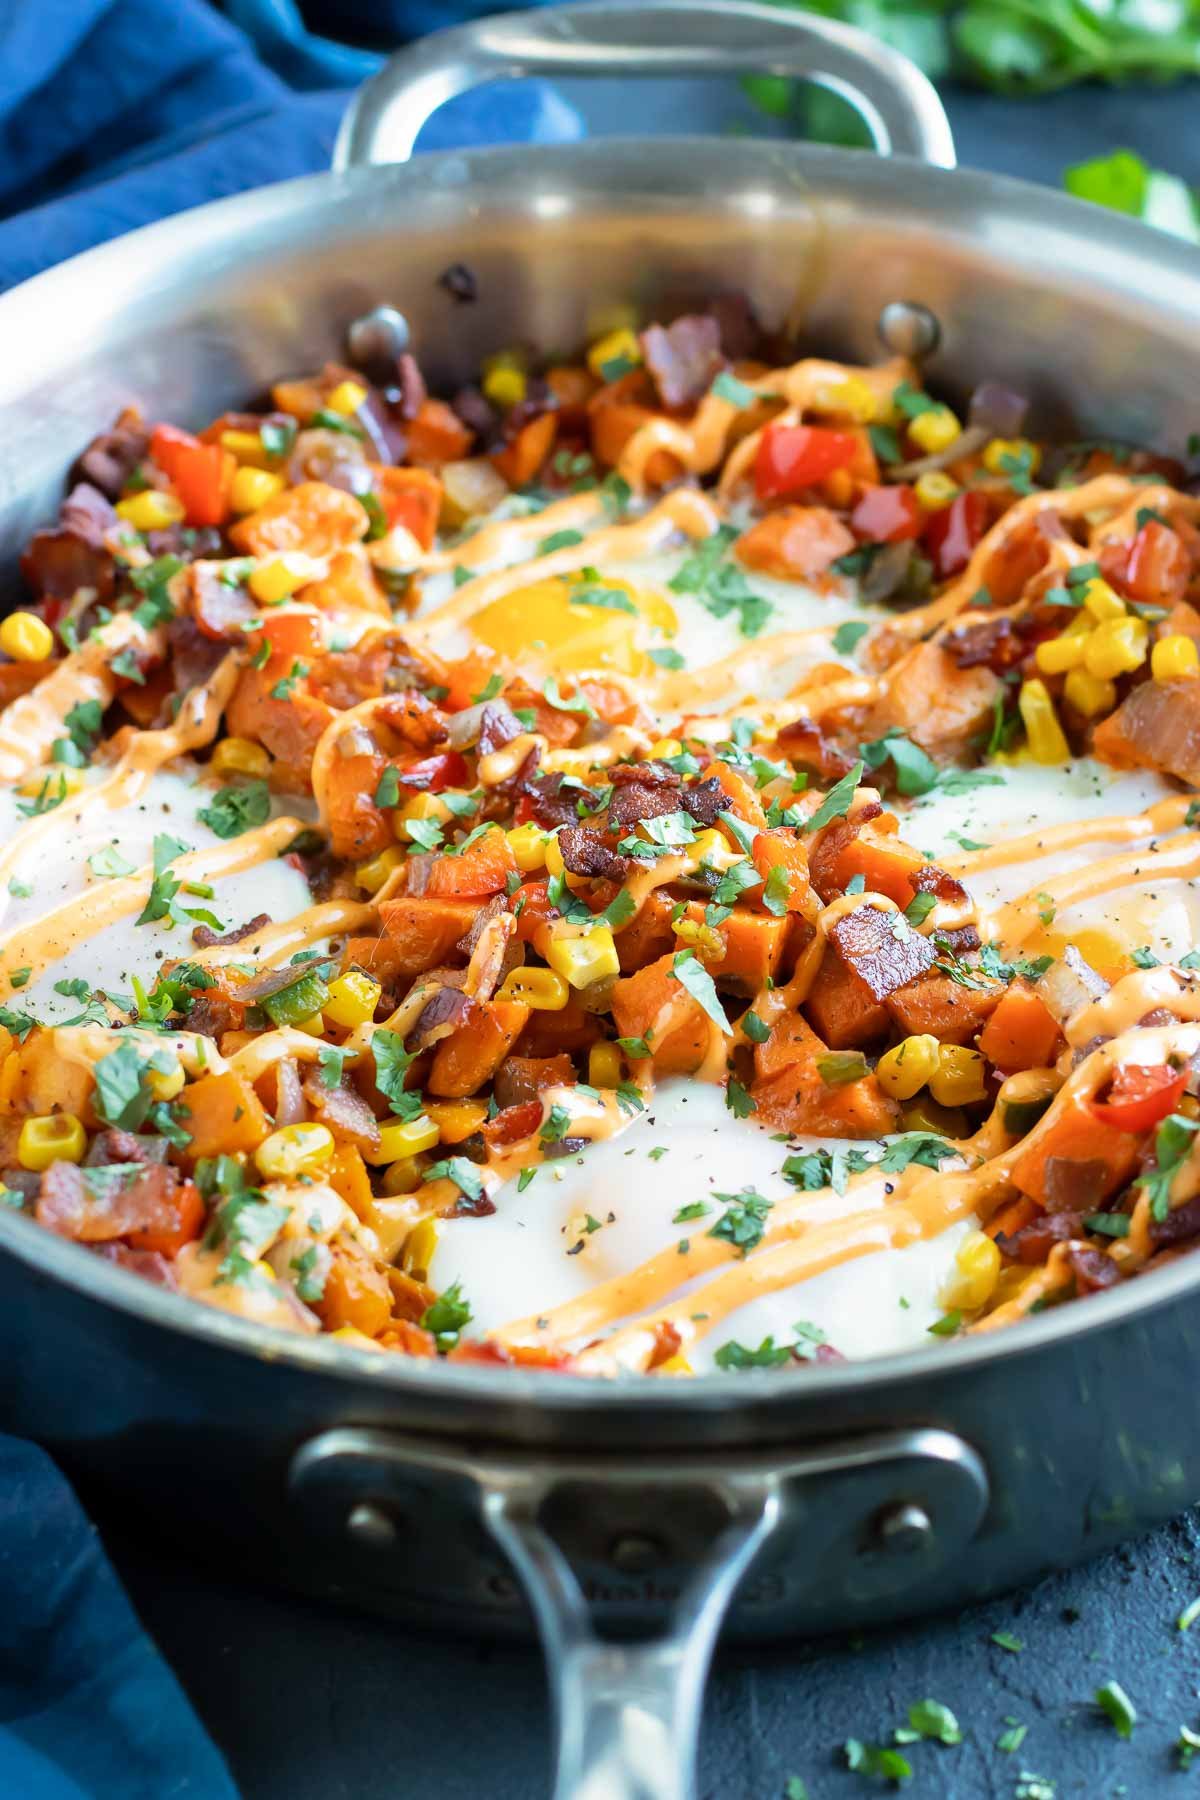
{"x": 958, "y": 1078}
{"x": 935, "y": 490}
{"x": 1116, "y": 647}
{"x": 165, "y": 1084}
{"x": 403, "y": 1137}
{"x": 675, "y": 1365}
{"x": 418, "y": 810}
{"x": 926, "y": 1115}
{"x": 528, "y": 845}
{"x": 704, "y": 939}
{"x": 294, "y": 1150}
{"x": 848, "y": 395}
{"x": 457, "y": 1119}
{"x": 1001, "y": 453}
{"x": 1102, "y": 601}
{"x": 604, "y": 1066}
{"x": 26, "y": 638}
{"x": 1174, "y": 656}
{"x": 419, "y": 1247}
{"x": 554, "y": 856}
{"x": 1056, "y": 655}
{"x": 974, "y": 1282}
{"x": 352, "y": 1000}
{"x": 665, "y": 747}
{"x": 346, "y": 398}
{"x": 276, "y": 579}
{"x": 1088, "y": 694}
{"x": 372, "y": 875}
{"x": 55, "y": 783}
{"x": 246, "y": 447}
{"x": 240, "y": 756}
{"x": 51, "y": 1138}
{"x": 540, "y": 989}
{"x": 151, "y": 510}
{"x": 617, "y": 347}
{"x": 505, "y": 387}
{"x": 712, "y": 850}
{"x": 401, "y": 1177}
{"x": 252, "y": 488}
{"x": 905, "y": 1069}
{"x": 582, "y": 954}
{"x": 358, "y": 1340}
{"x": 935, "y": 430}
{"x": 1046, "y": 741}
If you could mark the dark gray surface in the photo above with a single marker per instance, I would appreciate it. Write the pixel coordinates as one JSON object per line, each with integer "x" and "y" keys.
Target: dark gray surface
{"x": 319, "y": 1706}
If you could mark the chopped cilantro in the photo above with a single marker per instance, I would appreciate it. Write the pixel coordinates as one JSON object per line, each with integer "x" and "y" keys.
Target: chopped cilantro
{"x": 837, "y": 801}
{"x": 284, "y": 688}
{"x": 738, "y": 1099}
{"x": 743, "y": 1222}
{"x": 392, "y": 1063}
{"x": 462, "y": 1173}
{"x": 237, "y": 809}
{"x": 691, "y": 974}
{"x": 848, "y": 634}
{"x": 447, "y": 1317}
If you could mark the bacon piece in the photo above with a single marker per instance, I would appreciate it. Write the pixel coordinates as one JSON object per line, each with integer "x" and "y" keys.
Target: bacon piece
{"x": 933, "y": 880}
{"x": 636, "y": 801}
{"x": 220, "y": 608}
{"x": 498, "y": 725}
{"x": 704, "y": 801}
{"x": 206, "y": 937}
{"x": 520, "y": 1079}
{"x": 805, "y": 744}
{"x": 650, "y": 773}
{"x": 1180, "y": 1224}
{"x": 1034, "y": 1242}
{"x": 1092, "y": 1269}
{"x": 446, "y": 1012}
{"x": 585, "y": 852}
{"x": 683, "y": 357}
{"x": 993, "y": 644}
{"x": 125, "y": 1147}
{"x": 112, "y": 456}
{"x": 96, "y": 1205}
{"x": 57, "y": 563}
{"x": 866, "y": 941}
{"x": 549, "y": 806}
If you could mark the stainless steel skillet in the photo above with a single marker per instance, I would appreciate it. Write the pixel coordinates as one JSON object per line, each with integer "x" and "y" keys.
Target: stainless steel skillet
{"x": 630, "y": 1512}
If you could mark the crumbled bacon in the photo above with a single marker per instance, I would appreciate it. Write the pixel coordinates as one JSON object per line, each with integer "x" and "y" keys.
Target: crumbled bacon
{"x": 125, "y": 1147}
{"x": 804, "y": 743}
{"x": 520, "y": 1079}
{"x": 111, "y": 458}
{"x": 683, "y": 357}
{"x": 585, "y": 852}
{"x": 549, "y": 805}
{"x": 221, "y": 609}
{"x": 206, "y": 937}
{"x": 1034, "y": 1242}
{"x": 1092, "y": 1269}
{"x": 933, "y": 880}
{"x": 650, "y": 773}
{"x": 96, "y": 1205}
{"x": 498, "y": 726}
{"x": 446, "y": 1012}
{"x": 57, "y": 563}
{"x": 1180, "y": 1224}
{"x": 994, "y": 644}
{"x": 636, "y": 801}
{"x": 704, "y": 801}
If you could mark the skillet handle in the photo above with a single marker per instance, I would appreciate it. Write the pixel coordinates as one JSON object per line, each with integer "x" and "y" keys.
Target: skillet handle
{"x": 628, "y": 1713}
{"x": 630, "y": 1562}
{"x": 646, "y": 37}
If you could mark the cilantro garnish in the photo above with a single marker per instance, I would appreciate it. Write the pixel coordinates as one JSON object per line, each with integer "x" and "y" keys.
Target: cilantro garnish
{"x": 743, "y": 1223}
{"x": 392, "y": 1063}
{"x": 838, "y": 800}
{"x": 692, "y": 975}
{"x": 233, "y": 810}
{"x": 447, "y": 1317}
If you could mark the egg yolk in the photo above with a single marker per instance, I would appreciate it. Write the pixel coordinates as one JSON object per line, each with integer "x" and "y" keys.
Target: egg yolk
{"x": 572, "y": 624}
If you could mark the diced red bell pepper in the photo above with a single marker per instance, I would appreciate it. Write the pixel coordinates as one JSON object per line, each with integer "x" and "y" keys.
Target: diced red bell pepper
{"x": 1158, "y": 569}
{"x": 536, "y": 908}
{"x": 794, "y": 457}
{"x": 1140, "y": 1097}
{"x": 433, "y": 773}
{"x": 887, "y": 515}
{"x": 201, "y": 474}
{"x": 952, "y": 534}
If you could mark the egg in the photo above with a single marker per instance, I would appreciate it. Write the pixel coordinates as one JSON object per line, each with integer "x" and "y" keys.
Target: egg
{"x": 570, "y": 626}
{"x": 110, "y": 958}
{"x": 588, "y": 1218}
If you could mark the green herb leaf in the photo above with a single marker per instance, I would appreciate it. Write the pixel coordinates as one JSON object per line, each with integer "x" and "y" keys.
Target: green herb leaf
{"x": 838, "y": 800}
{"x": 691, "y": 974}
{"x": 743, "y": 1222}
{"x": 849, "y": 634}
{"x": 237, "y": 809}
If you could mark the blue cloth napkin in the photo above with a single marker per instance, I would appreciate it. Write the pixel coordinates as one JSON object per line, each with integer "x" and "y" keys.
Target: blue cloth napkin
{"x": 117, "y": 112}
{"x": 114, "y": 113}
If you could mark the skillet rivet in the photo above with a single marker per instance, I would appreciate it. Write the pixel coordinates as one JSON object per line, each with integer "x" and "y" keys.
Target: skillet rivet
{"x": 378, "y": 336}
{"x": 634, "y": 1554}
{"x": 907, "y": 328}
{"x": 902, "y": 1530}
{"x": 370, "y": 1526}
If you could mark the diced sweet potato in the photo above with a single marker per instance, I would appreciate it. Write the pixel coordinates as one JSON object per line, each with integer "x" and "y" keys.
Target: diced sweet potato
{"x": 1094, "y": 1157}
{"x": 481, "y": 870}
{"x": 356, "y": 1293}
{"x": 640, "y": 1004}
{"x": 943, "y": 1007}
{"x": 423, "y": 930}
{"x": 1022, "y": 1032}
{"x": 313, "y": 517}
{"x": 885, "y": 959}
{"x": 1156, "y": 726}
{"x": 794, "y": 543}
{"x": 842, "y": 1008}
{"x": 463, "y": 1062}
{"x": 520, "y": 461}
{"x": 789, "y": 1092}
{"x": 934, "y": 702}
{"x": 223, "y": 1114}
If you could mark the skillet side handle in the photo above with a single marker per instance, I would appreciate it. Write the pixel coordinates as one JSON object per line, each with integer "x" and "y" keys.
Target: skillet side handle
{"x": 647, "y": 37}
{"x": 628, "y": 1713}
